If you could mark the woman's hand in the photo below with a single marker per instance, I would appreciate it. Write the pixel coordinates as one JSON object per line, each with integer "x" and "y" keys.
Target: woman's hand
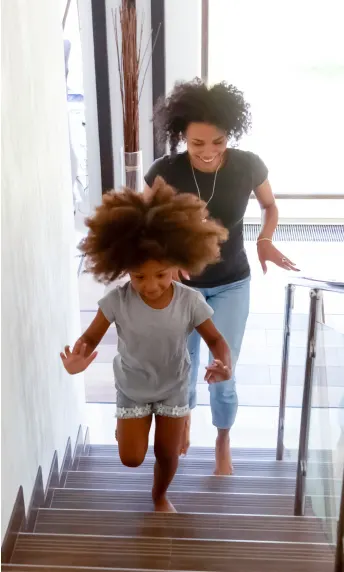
{"x": 77, "y": 361}
{"x": 217, "y": 371}
{"x": 267, "y": 252}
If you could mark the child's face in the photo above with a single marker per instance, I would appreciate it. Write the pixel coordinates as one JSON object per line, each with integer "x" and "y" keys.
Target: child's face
{"x": 152, "y": 279}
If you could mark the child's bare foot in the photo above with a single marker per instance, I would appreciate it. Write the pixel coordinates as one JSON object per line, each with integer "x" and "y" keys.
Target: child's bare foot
{"x": 186, "y": 436}
{"x": 223, "y": 455}
{"x": 162, "y": 504}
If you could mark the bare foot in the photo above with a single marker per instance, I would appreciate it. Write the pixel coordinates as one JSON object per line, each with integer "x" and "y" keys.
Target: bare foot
{"x": 163, "y": 505}
{"x": 186, "y": 436}
{"x": 223, "y": 456}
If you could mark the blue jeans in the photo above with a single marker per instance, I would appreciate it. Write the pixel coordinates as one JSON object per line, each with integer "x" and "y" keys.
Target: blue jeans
{"x": 231, "y": 307}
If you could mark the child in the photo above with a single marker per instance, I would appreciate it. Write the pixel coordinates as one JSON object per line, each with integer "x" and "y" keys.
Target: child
{"x": 154, "y": 315}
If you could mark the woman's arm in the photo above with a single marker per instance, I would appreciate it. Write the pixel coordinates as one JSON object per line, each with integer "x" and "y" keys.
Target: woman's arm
{"x": 266, "y": 250}
{"x": 269, "y": 209}
{"x": 147, "y": 192}
{"x": 221, "y": 368}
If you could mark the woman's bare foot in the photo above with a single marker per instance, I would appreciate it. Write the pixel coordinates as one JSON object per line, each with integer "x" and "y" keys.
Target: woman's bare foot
{"x": 163, "y": 505}
{"x": 186, "y": 436}
{"x": 223, "y": 455}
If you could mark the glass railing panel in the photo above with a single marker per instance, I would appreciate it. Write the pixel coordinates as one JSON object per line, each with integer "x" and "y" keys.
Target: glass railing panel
{"x": 326, "y": 436}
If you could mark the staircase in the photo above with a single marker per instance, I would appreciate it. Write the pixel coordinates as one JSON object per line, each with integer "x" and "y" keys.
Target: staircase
{"x": 100, "y": 518}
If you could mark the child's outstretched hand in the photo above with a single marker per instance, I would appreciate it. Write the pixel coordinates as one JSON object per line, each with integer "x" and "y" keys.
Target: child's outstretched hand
{"x": 76, "y": 361}
{"x": 217, "y": 371}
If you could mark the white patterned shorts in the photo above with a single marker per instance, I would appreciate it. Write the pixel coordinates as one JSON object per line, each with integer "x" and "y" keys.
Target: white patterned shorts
{"x": 174, "y": 406}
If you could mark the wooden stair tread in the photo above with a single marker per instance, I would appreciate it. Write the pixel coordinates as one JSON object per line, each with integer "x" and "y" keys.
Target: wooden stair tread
{"x": 136, "y": 480}
{"x": 192, "y": 465}
{"x": 167, "y": 554}
{"x": 183, "y": 501}
{"x": 181, "y": 525}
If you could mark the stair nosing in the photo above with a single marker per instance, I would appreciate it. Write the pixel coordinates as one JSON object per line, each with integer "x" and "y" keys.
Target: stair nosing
{"x": 190, "y": 476}
{"x": 286, "y": 516}
{"x": 158, "y": 539}
{"x": 185, "y": 492}
{"x": 215, "y": 493}
{"x": 150, "y": 456}
{"x": 25, "y": 534}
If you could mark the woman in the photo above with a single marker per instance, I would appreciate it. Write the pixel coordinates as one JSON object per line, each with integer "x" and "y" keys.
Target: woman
{"x": 207, "y": 120}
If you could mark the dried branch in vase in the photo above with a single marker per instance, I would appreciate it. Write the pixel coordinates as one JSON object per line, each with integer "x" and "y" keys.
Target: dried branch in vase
{"x": 133, "y": 64}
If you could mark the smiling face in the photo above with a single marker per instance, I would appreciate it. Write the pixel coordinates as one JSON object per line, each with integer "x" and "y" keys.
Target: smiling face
{"x": 153, "y": 280}
{"x": 206, "y": 145}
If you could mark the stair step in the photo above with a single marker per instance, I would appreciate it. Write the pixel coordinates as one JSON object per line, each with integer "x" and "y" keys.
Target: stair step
{"x": 186, "y": 502}
{"x": 159, "y": 525}
{"x": 52, "y": 568}
{"x": 171, "y": 554}
{"x": 142, "y": 481}
{"x": 238, "y": 453}
{"x": 137, "y": 480}
{"x": 49, "y": 568}
{"x": 195, "y": 452}
{"x": 189, "y": 465}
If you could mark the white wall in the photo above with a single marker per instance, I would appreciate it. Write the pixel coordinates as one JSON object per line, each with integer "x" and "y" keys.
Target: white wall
{"x": 41, "y": 405}
{"x": 146, "y": 131}
{"x": 91, "y": 113}
{"x": 183, "y": 30}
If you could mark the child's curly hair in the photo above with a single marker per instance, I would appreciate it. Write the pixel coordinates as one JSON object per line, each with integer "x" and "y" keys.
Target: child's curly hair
{"x": 128, "y": 229}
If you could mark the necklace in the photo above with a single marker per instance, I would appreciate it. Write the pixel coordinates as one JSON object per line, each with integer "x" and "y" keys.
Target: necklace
{"x": 197, "y": 187}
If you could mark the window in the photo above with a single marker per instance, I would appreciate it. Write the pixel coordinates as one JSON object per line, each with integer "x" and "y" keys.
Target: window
{"x": 288, "y": 59}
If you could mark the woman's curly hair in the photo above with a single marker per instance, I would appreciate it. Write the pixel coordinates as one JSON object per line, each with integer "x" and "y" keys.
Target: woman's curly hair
{"x": 128, "y": 229}
{"x": 222, "y": 105}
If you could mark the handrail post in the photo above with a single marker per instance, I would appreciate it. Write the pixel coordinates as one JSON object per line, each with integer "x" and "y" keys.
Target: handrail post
{"x": 289, "y": 303}
{"x": 339, "y": 562}
{"x": 300, "y": 491}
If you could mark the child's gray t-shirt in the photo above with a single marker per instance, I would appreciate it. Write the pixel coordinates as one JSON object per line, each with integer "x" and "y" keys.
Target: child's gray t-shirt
{"x": 153, "y": 360}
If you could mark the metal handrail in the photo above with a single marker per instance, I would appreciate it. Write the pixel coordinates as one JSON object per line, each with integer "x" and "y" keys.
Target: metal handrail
{"x": 316, "y": 284}
{"x": 316, "y": 287}
{"x": 313, "y": 285}
{"x": 300, "y": 491}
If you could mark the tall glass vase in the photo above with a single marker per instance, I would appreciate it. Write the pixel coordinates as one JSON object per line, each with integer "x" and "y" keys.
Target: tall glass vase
{"x": 132, "y": 170}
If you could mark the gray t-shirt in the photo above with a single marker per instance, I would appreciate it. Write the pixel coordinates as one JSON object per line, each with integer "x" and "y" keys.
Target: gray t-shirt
{"x": 153, "y": 360}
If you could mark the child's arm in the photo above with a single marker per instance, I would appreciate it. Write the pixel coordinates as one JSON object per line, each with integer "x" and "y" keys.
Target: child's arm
{"x": 83, "y": 353}
{"x": 221, "y": 368}
{"x": 95, "y": 332}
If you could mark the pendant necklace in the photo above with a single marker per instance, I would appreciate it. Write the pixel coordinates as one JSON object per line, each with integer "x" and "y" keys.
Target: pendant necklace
{"x": 197, "y": 187}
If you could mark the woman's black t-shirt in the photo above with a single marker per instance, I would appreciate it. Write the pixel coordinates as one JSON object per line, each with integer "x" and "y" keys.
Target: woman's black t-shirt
{"x": 241, "y": 173}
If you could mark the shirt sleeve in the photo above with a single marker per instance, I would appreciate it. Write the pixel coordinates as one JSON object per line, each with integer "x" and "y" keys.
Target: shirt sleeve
{"x": 158, "y": 168}
{"x": 201, "y": 311}
{"x": 108, "y": 305}
{"x": 259, "y": 171}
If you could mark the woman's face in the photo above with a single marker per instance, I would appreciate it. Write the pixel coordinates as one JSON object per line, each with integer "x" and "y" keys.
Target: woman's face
{"x": 206, "y": 145}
